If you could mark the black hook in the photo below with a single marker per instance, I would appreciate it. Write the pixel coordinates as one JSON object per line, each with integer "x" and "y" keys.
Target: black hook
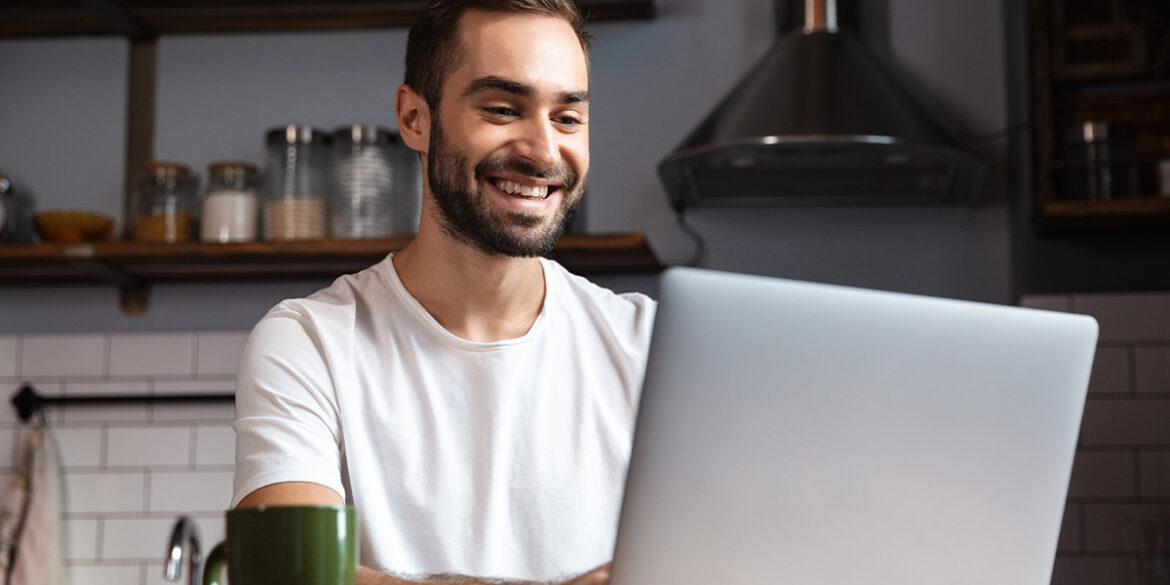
{"x": 28, "y": 402}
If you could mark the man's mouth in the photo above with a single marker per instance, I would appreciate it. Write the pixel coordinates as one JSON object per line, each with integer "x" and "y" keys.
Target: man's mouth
{"x": 523, "y": 191}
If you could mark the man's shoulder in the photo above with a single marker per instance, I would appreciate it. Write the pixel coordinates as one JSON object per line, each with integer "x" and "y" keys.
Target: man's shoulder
{"x": 629, "y": 310}
{"x": 337, "y": 303}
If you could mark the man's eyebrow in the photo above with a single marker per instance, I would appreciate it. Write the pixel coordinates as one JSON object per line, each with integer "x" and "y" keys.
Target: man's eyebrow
{"x": 521, "y": 89}
{"x": 573, "y": 97}
{"x": 496, "y": 83}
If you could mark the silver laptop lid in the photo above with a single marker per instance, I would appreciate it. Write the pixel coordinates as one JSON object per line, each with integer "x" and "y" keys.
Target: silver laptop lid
{"x": 809, "y": 434}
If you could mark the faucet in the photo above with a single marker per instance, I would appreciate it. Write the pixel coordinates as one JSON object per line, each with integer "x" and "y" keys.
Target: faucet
{"x": 184, "y": 539}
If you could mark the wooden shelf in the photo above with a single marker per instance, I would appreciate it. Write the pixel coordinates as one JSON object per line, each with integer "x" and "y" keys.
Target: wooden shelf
{"x": 1064, "y": 216}
{"x": 146, "y": 18}
{"x": 136, "y": 263}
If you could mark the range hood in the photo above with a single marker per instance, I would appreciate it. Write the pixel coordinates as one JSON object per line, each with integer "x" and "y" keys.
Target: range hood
{"x": 820, "y": 121}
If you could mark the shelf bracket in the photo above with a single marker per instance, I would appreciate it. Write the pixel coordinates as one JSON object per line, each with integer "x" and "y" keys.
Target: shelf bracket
{"x": 133, "y": 292}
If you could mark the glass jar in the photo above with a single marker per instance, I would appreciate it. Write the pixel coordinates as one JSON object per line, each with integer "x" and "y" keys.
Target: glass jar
{"x": 408, "y": 187}
{"x": 296, "y": 184}
{"x": 1089, "y": 143}
{"x": 230, "y": 205}
{"x": 166, "y": 203}
{"x": 362, "y": 182}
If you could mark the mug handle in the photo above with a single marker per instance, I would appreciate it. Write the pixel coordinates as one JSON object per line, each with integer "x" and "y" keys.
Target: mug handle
{"x": 213, "y": 570}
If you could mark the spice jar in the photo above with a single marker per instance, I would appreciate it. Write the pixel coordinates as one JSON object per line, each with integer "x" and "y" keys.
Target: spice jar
{"x": 166, "y": 203}
{"x": 296, "y": 184}
{"x": 230, "y": 205}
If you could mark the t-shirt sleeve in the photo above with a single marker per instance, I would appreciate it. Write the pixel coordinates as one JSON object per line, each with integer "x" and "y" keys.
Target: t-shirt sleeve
{"x": 286, "y": 408}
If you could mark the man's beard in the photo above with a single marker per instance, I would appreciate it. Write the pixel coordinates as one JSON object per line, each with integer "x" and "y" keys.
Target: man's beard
{"x": 465, "y": 211}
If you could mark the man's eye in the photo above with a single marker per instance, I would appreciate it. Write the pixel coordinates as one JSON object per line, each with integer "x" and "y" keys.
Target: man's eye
{"x": 568, "y": 121}
{"x": 501, "y": 112}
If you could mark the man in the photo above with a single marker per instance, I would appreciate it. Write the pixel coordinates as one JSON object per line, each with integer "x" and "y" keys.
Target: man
{"x": 473, "y": 401}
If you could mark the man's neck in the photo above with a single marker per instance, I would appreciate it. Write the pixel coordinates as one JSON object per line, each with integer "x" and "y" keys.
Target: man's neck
{"x": 474, "y": 295}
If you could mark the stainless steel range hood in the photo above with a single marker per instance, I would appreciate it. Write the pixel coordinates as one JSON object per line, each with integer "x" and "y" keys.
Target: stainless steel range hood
{"x": 820, "y": 121}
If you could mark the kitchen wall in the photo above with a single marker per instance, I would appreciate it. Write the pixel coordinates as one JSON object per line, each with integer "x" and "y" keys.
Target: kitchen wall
{"x": 62, "y": 115}
{"x": 1117, "y": 516}
{"x": 129, "y": 470}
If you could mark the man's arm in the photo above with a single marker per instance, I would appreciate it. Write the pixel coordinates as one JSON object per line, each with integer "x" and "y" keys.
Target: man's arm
{"x": 311, "y": 494}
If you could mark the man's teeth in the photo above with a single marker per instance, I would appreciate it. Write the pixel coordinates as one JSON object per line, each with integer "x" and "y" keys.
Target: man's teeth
{"x": 514, "y": 188}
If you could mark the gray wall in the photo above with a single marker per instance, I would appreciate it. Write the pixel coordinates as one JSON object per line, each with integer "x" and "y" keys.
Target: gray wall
{"x": 62, "y": 115}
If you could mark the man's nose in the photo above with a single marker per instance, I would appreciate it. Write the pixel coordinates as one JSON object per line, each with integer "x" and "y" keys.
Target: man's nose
{"x": 539, "y": 144}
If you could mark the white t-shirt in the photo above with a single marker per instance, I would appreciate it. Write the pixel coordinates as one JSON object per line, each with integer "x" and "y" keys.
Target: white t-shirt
{"x": 498, "y": 460}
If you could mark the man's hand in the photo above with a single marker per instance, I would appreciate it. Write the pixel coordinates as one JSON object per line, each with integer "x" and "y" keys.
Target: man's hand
{"x": 598, "y": 576}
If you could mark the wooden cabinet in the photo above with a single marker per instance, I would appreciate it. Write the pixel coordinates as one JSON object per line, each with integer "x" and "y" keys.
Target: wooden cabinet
{"x": 1101, "y": 113}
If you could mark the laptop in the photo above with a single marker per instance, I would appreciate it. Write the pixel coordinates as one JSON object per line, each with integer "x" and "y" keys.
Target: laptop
{"x": 808, "y": 434}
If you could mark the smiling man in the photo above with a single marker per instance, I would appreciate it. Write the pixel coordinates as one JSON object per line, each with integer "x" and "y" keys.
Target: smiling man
{"x": 474, "y": 401}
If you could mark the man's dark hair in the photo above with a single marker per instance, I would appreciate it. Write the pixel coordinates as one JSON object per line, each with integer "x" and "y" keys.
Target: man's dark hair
{"x": 432, "y": 46}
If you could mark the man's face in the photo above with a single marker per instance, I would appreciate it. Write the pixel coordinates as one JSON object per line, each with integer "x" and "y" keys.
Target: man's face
{"x": 509, "y": 145}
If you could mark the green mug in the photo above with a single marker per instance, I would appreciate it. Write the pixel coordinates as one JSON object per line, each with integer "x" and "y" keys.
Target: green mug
{"x": 287, "y": 545}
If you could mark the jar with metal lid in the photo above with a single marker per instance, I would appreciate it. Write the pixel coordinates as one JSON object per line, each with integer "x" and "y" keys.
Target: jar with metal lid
{"x": 15, "y": 215}
{"x": 230, "y": 206}
{"x": 362, "y": 182}
{"x": 408, "y": 187}
{"x": 166, "y": 203}
{"x": 296, "y": 184}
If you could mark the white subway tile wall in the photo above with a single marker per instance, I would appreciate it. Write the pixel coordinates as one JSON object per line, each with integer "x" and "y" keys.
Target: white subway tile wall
{"x": 152, "y": 355}
{"x": 59, "y": 356}
{"x": 219, "y": 353}
{"x": 129, "y": 469}
{"x": 1119, "y": 497}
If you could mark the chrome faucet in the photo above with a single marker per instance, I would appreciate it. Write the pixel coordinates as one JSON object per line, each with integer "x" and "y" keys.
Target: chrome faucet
{"x": 184, "y": 539}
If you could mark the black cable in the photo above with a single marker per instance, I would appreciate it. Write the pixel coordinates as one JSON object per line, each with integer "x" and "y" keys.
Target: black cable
{"x": 700, "y": 244}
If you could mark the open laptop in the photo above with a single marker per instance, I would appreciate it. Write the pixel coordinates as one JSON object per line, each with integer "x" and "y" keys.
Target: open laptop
{"x": 805, "y": 434}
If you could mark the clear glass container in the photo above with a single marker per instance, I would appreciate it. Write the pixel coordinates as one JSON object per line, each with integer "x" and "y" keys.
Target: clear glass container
{"x": 296, "y": 184}
{"x": 362, "y": 182}
{"x": 231, "y": 205}
{"x": 166, "y": 203}
{"x": 407, "y": 190}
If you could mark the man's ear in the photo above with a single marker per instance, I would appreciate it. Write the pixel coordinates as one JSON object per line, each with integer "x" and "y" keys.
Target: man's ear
{"x": 414, "y": 119}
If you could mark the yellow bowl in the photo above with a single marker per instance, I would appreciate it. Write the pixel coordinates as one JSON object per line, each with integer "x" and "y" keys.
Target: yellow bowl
{"x": 66, "y": 226}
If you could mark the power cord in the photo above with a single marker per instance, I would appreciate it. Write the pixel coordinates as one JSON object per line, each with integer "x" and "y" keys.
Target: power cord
{"x": 700, "y": 244}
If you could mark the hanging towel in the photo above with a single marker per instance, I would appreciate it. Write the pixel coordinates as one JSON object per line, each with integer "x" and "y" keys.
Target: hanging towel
{"x": 37, "y": 554}
{"x": 11, "y": 517}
